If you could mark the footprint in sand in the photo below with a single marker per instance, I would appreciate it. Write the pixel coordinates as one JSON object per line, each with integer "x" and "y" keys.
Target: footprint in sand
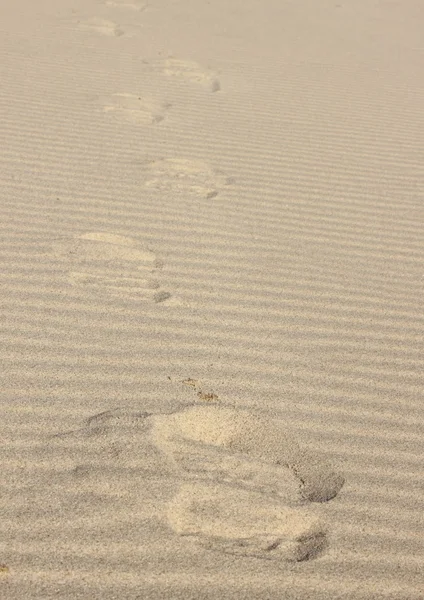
{"x": 192, "y": 72}
{"x": 138, "y": 6}
{"x": 261, "y": 482}
{"x": 247, "y": 448}
{"x": 135, "y": 108}
{"x": 246, "y": 486}
{"x": 112, "y": 264}
{"x": 185, "y": 177}
{"x": 237, "y": 521}
{"x": 102, "y": 26}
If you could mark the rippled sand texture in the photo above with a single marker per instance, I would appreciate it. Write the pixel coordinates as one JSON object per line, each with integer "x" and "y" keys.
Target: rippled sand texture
{"x": 211, "y": 300}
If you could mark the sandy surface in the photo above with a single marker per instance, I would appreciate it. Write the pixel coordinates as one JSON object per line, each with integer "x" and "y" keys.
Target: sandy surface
{"x": 212, "y": 243}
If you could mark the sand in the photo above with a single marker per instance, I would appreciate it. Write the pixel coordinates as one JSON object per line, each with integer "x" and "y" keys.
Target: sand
{"x": 212, "y": 333}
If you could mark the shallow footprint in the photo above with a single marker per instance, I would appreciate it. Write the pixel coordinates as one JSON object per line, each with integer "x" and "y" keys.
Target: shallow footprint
{"x": 208, "y": 440}
{"x": 186, "y": 177}
{"x": 243, "y": 522}
{"x": 102, "y": 26}
{"x": 135, "y": 108}
{"x": 114, "y": 264}
{"x": 192, "y": 71}
{"x": 111, "y": 440}
{"x": 138, "y": 6}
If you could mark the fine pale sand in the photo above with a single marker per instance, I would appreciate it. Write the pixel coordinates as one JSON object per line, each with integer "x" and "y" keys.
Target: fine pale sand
{"x": 212, "y": 283}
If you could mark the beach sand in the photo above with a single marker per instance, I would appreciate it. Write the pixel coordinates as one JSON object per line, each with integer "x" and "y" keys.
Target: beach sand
{"x": 212, "y": 333}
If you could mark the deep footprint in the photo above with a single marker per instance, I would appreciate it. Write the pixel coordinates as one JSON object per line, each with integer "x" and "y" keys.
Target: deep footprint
{"x": 242, "y": 522}
{"x": 245, "y": 485}
{"x": 237, "y": 444}
{"x": 223, "y": 444}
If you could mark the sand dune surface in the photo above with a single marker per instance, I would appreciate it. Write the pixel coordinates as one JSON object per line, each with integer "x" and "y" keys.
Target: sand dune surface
{"x": 211, "y": 300}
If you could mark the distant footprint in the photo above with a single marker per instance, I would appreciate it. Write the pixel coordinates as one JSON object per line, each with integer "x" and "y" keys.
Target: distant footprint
{"x": 138, "y": 6}
{"x": 185, "y": 177}
{"x": 237, "y": 521}
{"x": 102, "y": 26}
{"x": 134, "y": 108}
{"x": 191, "y": 71}
{"x": 112, "y": 264}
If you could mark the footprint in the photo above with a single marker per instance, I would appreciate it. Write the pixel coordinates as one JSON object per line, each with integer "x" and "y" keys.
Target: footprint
{"x": 220, "y": 443}
{"x": 247, "y": 523}
{"x": 109, "y": 441}
{"x": 239, "y": 445}
{"x": 135, "y": 108}
{"x": 102, "y": 26}
{"x": 138, "y": 6}
{"x": 186, "y": 177}
{"x": 193, "y": 72}
{"x": 243, "y": 484}
{"x": 262, "y": 483}
{"x": 112, "y": 264}
{"x": 118, "y": 417}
